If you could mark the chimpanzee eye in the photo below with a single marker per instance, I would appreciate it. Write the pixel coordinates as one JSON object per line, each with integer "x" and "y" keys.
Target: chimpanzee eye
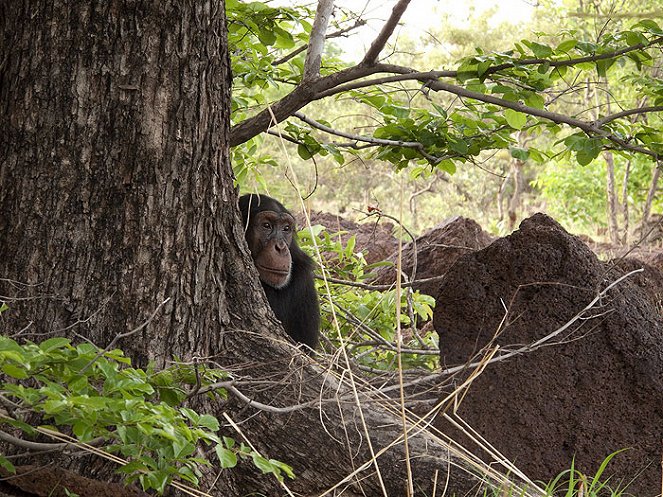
{"x": 286, "y": 227}
{"x": 267, "y": 226}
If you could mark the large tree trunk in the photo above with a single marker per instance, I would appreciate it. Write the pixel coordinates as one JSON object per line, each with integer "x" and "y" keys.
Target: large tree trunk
{"x": 116, "y": 194}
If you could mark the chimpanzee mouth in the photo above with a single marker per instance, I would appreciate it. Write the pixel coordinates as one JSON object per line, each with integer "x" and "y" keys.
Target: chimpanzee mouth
{"x": 276, "y": 278}
{"x": 277, "y": 271}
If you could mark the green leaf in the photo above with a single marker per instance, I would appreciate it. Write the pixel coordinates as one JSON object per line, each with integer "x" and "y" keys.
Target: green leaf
{"x": 602, "y": 66}
{"x": 8, "y": 466}
{"x": 227, "y": 458}
{"x": 567, "y": 45}
{"x": 447, "y": 165}
{"x": 9, "y": 344}
{"x": 209, "y": 422}
{"x": 188, "y": 475}
{"x": 83, "y": 430}
{"x": 651, "y": 26}
{"x": 14, "y": 371}
{"x": 283, "y": 467}
{"x": 535, "y": 100}
{"x": 589, "y": 151}
{"x": 519, "y": 153}
{"x": 515, "y": 119}
{"x": 267, "y": 37}
{"x": 262, "y": 464}
{"x": 538, "y": 49}
{"x": 53, "y": 344}
{"x": 304, "y": 152}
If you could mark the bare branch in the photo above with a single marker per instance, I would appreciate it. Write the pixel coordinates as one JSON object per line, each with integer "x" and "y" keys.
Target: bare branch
{"x": 317, "y": 40}
{"x": 387, "y": 30}
{"x": 34, "y": 446}
{"x": 628, "y": 112}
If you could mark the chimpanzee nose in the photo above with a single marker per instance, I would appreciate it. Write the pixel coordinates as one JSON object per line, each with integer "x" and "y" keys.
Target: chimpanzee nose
{"x": 281, "y": 246}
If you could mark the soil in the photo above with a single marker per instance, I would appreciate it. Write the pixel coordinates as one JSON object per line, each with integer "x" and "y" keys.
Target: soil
{"x": 594, "y": 389}
{"x": 50, "y": 481}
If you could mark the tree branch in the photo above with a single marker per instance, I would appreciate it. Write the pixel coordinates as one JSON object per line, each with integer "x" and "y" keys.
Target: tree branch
{"x": 387, "y": 30}
{"x": 295, "y": 100}
{"x": 590, "y": 128}
{"x": 629, "y": 112}
{"x": 317, "y": 40}
{"x": 370, "y": 140}
{"x": 316, "y": 87}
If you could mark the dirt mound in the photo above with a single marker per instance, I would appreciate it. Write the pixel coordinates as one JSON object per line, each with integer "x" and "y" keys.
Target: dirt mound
{"x": 436, "y": 251}
{"x": 650, "y": 279}
{"x": 598, "y": 389}
{"x": 375, "y": 240}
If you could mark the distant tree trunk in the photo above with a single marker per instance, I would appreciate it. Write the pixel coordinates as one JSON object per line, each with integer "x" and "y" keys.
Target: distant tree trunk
{"x": 516, "y": 174}
{"x": 625, "y": 207}
{"x": 613, "y": 227}
{"x": 514, "y": 201}
{"x": 651, "y": 194}
{"x": 116, "y": 194}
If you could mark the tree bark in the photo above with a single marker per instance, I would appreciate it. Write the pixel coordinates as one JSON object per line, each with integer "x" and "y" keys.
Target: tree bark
{"x": 117, "y": 195}
{"x": 651, "y": 193}
{"x": 611, "y": 194}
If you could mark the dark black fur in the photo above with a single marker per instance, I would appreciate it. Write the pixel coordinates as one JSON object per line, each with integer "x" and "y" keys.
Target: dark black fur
{"x": 295, "y": 305}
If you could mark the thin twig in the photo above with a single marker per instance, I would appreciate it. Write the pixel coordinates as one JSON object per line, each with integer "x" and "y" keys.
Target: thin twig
{"x": 527, "y": 348}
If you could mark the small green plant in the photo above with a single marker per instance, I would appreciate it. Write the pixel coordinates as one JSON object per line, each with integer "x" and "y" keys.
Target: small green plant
{"x": 573, "y": 483}
{"x": 97, "y": 397}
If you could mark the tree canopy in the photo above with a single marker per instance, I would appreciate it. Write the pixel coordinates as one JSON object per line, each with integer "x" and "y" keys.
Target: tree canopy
{"x": 588, "y": 87}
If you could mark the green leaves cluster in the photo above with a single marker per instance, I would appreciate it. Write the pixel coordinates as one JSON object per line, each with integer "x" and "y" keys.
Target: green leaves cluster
{"x": 99, "y": 398}
{"x": 375, "y": 310}
{"x": 258, "y": 35}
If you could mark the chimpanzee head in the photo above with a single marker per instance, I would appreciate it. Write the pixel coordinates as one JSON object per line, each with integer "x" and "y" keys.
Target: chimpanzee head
{"x": 270, "y": 234}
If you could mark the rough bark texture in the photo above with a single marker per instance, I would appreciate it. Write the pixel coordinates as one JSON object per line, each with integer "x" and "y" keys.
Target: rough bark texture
{"x": 116, "y": 194}
{"x": 115, "y": 190}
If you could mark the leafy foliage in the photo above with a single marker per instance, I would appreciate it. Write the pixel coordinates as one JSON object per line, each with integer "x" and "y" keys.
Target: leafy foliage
{"x": 368, "y": 327}
{"x": 564, "y": 91}
{"x": 97, "y": 397}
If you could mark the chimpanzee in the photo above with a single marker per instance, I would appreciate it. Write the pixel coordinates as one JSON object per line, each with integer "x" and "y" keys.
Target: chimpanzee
{"x": 286, "y": 272}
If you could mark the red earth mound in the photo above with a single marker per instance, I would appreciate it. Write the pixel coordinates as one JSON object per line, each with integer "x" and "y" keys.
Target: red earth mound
{"x": 595, "y": 388}
{"x": 375, "y": 240}
{"x": 436, "y": 252}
